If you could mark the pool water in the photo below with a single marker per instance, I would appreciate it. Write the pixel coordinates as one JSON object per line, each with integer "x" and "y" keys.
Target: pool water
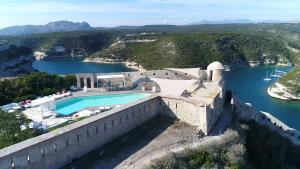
{"x": 69, "y": 106}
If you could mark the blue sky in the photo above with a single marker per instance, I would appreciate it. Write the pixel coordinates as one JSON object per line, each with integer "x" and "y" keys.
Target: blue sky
{"x": 140, "y": 12}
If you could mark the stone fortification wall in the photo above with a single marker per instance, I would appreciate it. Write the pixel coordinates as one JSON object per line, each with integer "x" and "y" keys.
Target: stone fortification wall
{"x": 186, "y": 111}
{"x": 247, "y": 112}
{"x": 59, "y": 147}
{"x": 202, "y": 116}
{"x": 214, "y": 111}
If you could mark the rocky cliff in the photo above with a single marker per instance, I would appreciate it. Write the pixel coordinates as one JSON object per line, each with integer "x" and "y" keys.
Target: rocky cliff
{"x": 15, "y": 61}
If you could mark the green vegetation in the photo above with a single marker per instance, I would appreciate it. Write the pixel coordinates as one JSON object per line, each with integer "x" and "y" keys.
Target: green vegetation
{"x": 14, "y": 52}
{"x": 267, "y": 149}
{"x": 226, "y": 152}
{"x": 198, "y": 49}
{"x": 33, "y": 85}
{"x": 254, "y": 147}
{"x": 91, "y": 41}
{"x": 179, "y": 46}
{"x": 292, "y": 81}
{"x": 10, "y": 131}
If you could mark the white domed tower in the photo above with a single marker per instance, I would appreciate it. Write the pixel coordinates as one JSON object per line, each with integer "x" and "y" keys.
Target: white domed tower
{"x": 215, "y": 72}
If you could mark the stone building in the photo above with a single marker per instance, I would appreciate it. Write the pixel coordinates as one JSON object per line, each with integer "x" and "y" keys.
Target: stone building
{"x": 190, "y": 95}
{"x": 215, "y": 71}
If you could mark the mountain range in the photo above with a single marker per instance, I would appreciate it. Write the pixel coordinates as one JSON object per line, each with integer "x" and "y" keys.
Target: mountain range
{"x": 59, "y": 26}
{"x": 63, "y": 26}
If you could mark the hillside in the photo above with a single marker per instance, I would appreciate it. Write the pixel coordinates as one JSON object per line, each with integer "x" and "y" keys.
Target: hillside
{"x": 91, "y": 41}
{"x": 244, "y": 146}
{"x": 16, "y": 60}
{"x": 162, "y": 50}
{"x": 159, "y": 46}
{"x": 59, "y": 26}
{"x": 287, "y": 87}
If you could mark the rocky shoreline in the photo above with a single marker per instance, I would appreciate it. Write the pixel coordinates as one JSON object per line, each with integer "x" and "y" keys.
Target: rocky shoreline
{"x": 131, "y": 65}
{"x": 279, "y": 91}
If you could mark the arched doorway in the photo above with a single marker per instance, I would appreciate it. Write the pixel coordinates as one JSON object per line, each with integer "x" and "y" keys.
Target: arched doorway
{"x": 88, "y": 83}
{"x": 81, "y": 82}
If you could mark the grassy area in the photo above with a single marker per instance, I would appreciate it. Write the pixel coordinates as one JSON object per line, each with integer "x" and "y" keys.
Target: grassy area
{"x": 292, "y": 81}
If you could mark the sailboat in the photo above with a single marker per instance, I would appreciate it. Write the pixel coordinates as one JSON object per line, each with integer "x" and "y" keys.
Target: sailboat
{"x": 278, "y": 73}
{"x": 267, "y": 78}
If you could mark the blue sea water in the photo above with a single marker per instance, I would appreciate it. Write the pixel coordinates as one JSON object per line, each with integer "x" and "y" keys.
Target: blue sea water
{"x": 72, "y": 66}
{"x": 249, "y": 86}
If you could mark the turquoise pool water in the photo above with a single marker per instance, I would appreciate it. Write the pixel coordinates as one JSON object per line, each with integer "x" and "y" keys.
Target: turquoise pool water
{"x": 69, "y": 106}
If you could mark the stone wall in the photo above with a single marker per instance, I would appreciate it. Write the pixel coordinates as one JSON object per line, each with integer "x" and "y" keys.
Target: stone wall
{"x": 136, "y": 77}
{"x": 203, "y": 117}
{"x": 186, "y": 111}
{"x": 214, "y": 111}
{"x": 59, "y": 147}
{"x": 247, "y": 112}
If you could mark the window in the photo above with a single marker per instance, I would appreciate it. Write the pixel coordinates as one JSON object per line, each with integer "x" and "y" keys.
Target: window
{"x": 176, "y": 74}
{"x": 126, "y": 116}
{"x": 42, "y": 152}
{"x": 120, "y": 120}
{"x": 96, "y": 129}
{"x": 167, "y": 73}
{"x": 87, "y": 133}
{"x": 176, "y": 105}
{"x": 77, "y": 137}
{"x": 13, "y": 166}
{"x": 67, "y": 142}
{"x": 153, "y": 74}
{"x": 113, "y": 123}
{"x": 28, "y": 158}
{"x": 105, "y": 127}
{"x": 55, "y": 147}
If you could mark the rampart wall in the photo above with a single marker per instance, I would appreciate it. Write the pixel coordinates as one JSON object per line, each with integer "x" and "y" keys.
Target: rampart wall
{"x": 247, "y": 112}
{"x": 57, "y": 148}
{"x": 202, "y": 116}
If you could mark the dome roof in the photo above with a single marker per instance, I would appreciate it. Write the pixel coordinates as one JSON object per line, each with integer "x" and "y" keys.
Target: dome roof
{"x": 215, "y": 66}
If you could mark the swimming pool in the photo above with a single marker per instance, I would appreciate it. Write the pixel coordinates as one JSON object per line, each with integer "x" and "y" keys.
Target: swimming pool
{"x": 69, "y": 106}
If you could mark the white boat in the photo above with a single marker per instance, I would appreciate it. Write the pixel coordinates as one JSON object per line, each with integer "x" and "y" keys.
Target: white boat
{"x": 267, "y": 78}
{"x": 275, "y": 74}
{"x": 278, "y": 73}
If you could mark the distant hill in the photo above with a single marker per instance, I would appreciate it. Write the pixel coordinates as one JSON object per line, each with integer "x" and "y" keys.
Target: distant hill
{"x": 59, "y": 26}
{"x": 226, "y": 21}
{"x": 236, "y": 21}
